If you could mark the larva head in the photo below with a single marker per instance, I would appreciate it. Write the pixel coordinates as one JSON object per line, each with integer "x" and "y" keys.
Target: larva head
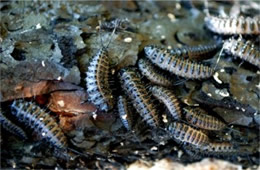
{"x": 142, "y": 64}
{"x": 125, "y": 72}
{"x": 150, "y": 51}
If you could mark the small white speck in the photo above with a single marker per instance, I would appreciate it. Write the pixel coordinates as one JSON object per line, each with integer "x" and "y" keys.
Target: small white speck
{"x": 162, "y": 143}
{"x": 158, "y": 27}
{"x": 76, "y": 16}
{"x": 165, "y": 120}
{"x": 178, "y": 6}
{"x": 222, "y": 92}
{"x": 179, "y": 45}
{"x": 222, "y": 70}
{"x": 94, "y": 115}
{"x": 56, "y": 168}
{"x": 136, "y": 152}
{"x": 209, "y": 94}
{"x": 154, "y": 148}
{"x": 258, "y": 72}
{"x": 14, "y": 165}
{"x": 255, "y": 113}
{"x": 38, "y": 26}
{"x": 243, "y": 110}
{"x": 175, "y": 148}
{"x": 128, "y": 40}
{"x": 171, "y": 16}
{"x": 169, "y": 47}
{"x": 237, "y": 108}
{"x": 227, "y": 134}
{"x": 41, "y": 118}
{"x": 180, "y": 153}
{"x": 59, "y": 78}
{"x": 113, "y": 71}
{"x": 231, "y": 126}
{"x": 216, "y": 78}
{"x": 121, "y": 143}
{"x": 61, "y": 103}
{"x": 43, "y": 63}
{"x": 163, "y": 37}
{"x": 258, "y": 85}
{"x": 124, "y": 117}
{"x": 43, "y": 134}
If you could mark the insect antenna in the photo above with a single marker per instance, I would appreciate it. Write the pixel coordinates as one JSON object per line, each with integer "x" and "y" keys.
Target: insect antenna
{"x": 180, "y": 82}
{"x": 79, "y": 153}
{"x": 99, "y": 32}
{"x": 218, "y": 59}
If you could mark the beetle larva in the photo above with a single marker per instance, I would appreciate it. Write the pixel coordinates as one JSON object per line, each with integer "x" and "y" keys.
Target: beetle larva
{"x": 41, "y": 122}
{"x": 10, "y": 127}
{"x": 124, "y": 112}
{"x": 245, "y": 50}
{"x": 176, "y": 65}
{"x": 220, "y": 148}
{"x": 98, "y": 87}
{"x": 199, "y": 118}
{"x": 132, "y": 85}
{"x": 153, "y": 74}
{"x": 228, "y": 25}
{"x": 186, "y": 134}
{"x": 168, "y": 98}
{"x": 195, "y": 52}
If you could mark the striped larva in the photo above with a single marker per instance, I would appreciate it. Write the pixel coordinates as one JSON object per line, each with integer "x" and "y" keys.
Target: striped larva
{"x": 176, "y": 65}
{"x": 186, "y": 134}
{"x": 213, "y": 149}
{"x": 228, "y": 25}
{"x": 11, "y": 127}
{"x": 168, "y": 98}
{"x": 132, "y": 84}
{"x": 124, "y": 112}
{"x": 41, "y": 122}
{"x": 195, "y": 52}
{"x": 219, "y": 148}
{"x": 98, "y": 87}
{"x": 243, "y": 49}
{"x": 155, "y": 75}
{"x": 199, "y": 118}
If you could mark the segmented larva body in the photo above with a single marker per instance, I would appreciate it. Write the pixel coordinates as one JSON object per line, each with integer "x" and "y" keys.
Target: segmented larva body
{"x": 200, "y": 118}
{"x": 214, "y": 149}
{"x": 132, "y": 84}
{"x": 176, "y": 65}
{"x": 219, "y": 149}
{"x": 228, "y": 25}
{"x": 186, "y": 134}
{"x": 243, "y": 49}
{"x": 12, "y": 128}
{"x": 194, "y": 52}
{"x": 168, "y": 98}
{"x": 124, "y": 112}
{"x": 41, "y": 122}
{"x": 153, "y": 74}
{"x": 98, "y": 86}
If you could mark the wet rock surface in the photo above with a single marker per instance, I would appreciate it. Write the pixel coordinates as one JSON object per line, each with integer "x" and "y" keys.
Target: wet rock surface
{"x": 45, "y": 49}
